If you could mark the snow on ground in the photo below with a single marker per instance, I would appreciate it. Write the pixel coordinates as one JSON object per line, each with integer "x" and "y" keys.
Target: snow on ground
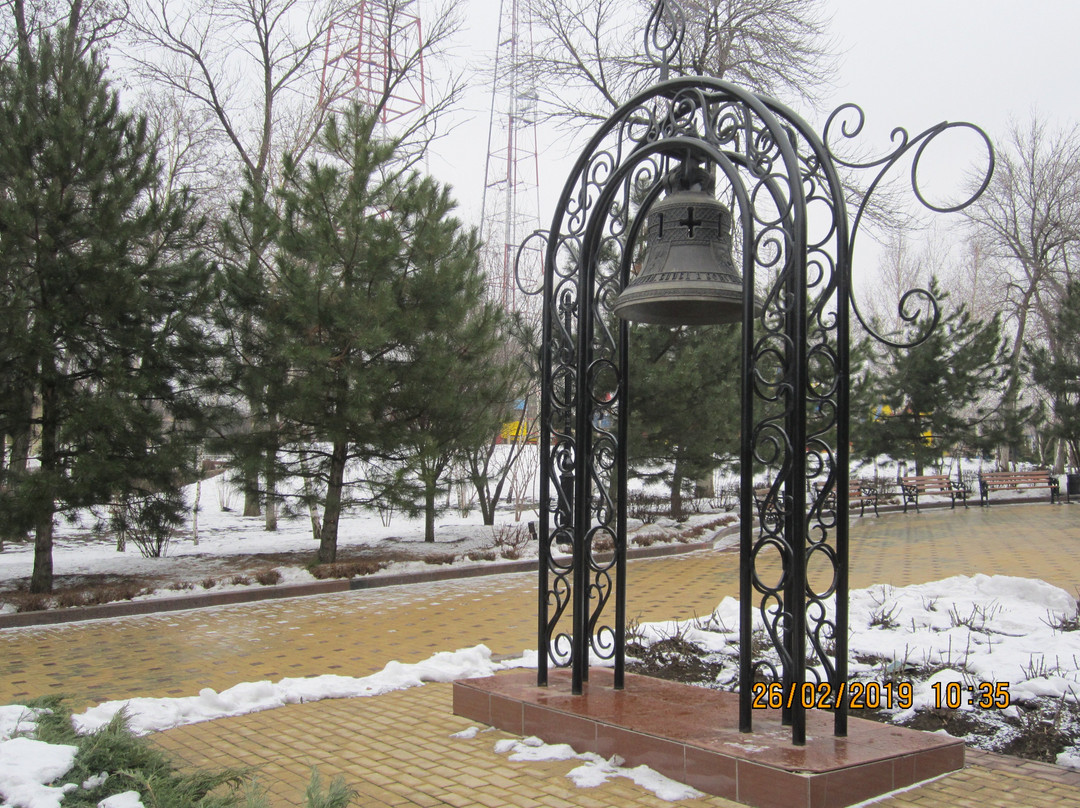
{"x": 125, "y": 799}
{"x": 147, "y": 715}
{"x": 595, "y": 770}
{"x": 28, "y": 767}
{"x": 228, "y": 539}
{"x": 998, "y": 629}
{"x": 984, "y": 644}
{"x": 84, "y": 548}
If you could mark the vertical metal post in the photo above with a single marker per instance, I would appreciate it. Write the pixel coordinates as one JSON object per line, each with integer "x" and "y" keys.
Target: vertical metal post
{"x": 544, "y": 453}
{"x": 623, "y": 415}
{"x": 582, "y": 479}
{"x": 843, "y": 462}
{"x": 796, "y": 527}
{"x": 747, "y": 517}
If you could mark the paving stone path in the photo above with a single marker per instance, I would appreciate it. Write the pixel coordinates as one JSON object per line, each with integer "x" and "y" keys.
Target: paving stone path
{"x": 396, "y": 749}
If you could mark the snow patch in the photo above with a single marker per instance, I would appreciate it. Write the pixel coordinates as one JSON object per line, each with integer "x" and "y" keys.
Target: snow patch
{"x": 26, "y": 769}
{"x": 154, "y": 714}
{"x": 595, "y": 771}
{"x": 128, "y": 799}
{"x": 16, "y": 719}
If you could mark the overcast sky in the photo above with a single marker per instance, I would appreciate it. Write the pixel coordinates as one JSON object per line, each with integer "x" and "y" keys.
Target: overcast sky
{"x": 910, "y": 64}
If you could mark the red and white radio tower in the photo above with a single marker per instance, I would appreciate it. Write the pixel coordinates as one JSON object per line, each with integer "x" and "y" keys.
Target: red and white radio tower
{"x": 374, "y": 54}
{"x": 511, "y": 200}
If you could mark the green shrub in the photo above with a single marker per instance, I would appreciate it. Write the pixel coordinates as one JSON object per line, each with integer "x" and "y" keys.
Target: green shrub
{"x": 337, "y": 794}
{"x": 133, "y": 763}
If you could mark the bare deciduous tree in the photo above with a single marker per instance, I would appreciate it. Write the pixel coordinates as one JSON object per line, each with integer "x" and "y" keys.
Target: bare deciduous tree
{"x": 190, "y": 155}
{"x": 96, "y": 20}
{"x": 903, "y": 265}
{"x": 250, "y": 74}
{"x": 1027, "y": 225}
{"x": 256, "y": 66}
{"x": 588, "y": 53}
{"x": 246, "y": 63}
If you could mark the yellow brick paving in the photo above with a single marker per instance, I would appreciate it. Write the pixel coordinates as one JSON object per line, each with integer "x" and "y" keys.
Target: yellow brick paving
{"x": 397, "y": 750}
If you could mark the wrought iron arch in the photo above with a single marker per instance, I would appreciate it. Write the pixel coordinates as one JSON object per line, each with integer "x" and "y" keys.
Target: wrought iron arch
{"x": 795, "y": 251}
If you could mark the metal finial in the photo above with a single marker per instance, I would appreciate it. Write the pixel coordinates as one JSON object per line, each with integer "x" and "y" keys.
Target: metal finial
{"x": 664, "y": 35}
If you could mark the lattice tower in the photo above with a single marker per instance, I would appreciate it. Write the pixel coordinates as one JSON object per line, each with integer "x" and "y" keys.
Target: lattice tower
{"x": 511, "y": 199}
{"x": 374, "y": 54}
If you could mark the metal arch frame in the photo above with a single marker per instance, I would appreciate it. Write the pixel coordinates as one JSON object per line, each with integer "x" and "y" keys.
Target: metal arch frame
{"x": 795, "y": 391}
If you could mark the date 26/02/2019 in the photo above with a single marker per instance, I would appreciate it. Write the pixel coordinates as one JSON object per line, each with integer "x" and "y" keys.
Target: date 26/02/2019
{"x": 877, "y": 695}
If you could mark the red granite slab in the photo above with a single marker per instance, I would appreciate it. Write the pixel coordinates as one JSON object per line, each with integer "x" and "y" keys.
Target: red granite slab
{"x": 691, "y": 735}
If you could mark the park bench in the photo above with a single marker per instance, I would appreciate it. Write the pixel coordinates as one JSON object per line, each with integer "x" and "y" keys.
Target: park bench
{"x": 913, "y": 486}
{"x": 992, "y": 480}
{"x": 767, "y": 509}
{"x": 860, "y": 492}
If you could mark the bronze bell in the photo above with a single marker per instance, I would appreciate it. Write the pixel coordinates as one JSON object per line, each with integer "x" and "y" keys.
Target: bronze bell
{"x": 688, "y": 277}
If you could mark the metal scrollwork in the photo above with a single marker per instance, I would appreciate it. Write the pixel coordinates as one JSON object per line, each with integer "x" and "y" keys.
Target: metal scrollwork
{"x": 916, "y": 304}
{"x": 664, "y": 34}
{"x": 793, "y": 244}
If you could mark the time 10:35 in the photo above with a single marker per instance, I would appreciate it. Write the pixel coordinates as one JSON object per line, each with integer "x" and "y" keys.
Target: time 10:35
{"x": 984, "y": 695}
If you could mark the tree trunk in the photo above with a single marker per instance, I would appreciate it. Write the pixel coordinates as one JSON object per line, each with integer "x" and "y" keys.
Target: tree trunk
{"x": 195, "y": 511}
{"x": 1007, "y": 453}
{"x": 705, "y": 487}
{"x": 20, "y": 443}
{"x": 676, "y": 491}
{"x": 41, "y": 580}
{"x": 481, "y": 481}
{"x": 251, "y": 493}
{"x": 479, "y": 478}
{"x": 332, "y": 509}
{"x": 271, "y": 487}
{"x": 310, "y": 496}
{"x": 429, "y": 511}
{"x": 19, "y": 453}
{"x": 487, "y": 507}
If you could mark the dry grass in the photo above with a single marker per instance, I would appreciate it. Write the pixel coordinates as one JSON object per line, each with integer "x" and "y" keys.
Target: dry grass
{"x": 347, "y": 569}
{"x": 268, "y": 577}
{"x": 603, "y": 545}
{"x": 649, "y": 539}
{"x": 441, "y": 558}
{"x": 698, "y": 531}
{"x": 76, "y": 596}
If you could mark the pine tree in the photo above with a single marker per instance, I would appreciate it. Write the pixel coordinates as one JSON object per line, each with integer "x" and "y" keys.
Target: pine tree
{"x": 340, "y": 243}
{"x": 253, "y": 370}
{"x": 378, "y": 320}
{"x": 684, "y": 403}
{"x": 1055, "y": 368}
{"x": 940, "y": 396}
{"x": 104, "y": 300}
{"x": 450, "y": 390}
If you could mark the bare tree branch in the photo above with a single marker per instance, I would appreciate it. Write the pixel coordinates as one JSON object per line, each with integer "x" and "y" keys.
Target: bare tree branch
{"x": 587, "y": 55}
{"x": 1027, "y": 225}
{"x": 97, "y": 21}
